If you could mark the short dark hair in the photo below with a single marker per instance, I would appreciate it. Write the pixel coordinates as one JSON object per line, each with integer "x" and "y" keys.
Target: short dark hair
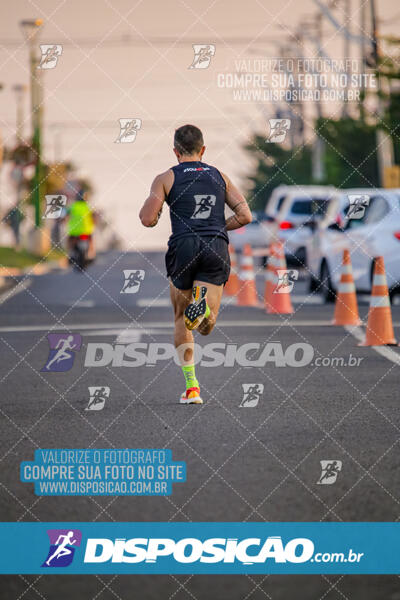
{"x": 188, "y": 139}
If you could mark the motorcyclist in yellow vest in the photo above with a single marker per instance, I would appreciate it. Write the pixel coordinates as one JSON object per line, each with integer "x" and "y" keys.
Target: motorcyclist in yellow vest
{"x": 80, "y": 217}
{"x": 81, "y": 221}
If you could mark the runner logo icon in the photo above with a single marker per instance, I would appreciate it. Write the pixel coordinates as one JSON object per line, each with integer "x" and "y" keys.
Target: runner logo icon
{"x": 63, "y": 543}
{"x": 132, "y": 282}
{"x": 98, "y": 397}
{"x": 204, "y": 204}
{"x": 278, "y": 130}
{"x": 54, "y": 206}
{"x": 286, "y": 280}
{"x": 329, "y": 471}
{"x": 62, "y": 351}
{"x": 50, "y": 55}
{"x": 203, "y": 54}
{"x": 252, "y": 393}
{"x": 128, "y": 130}
{"x": 357, "y": 205}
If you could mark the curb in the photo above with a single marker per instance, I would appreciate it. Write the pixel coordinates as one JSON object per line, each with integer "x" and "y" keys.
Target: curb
{"x": 6, "y": 273}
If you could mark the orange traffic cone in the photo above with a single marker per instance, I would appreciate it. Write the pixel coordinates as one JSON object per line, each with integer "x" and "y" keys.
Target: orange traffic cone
{"x": 247, "y": 294}
{"x": 271, "y": 277}
{"x": 379, "y": 330}
{"x": 277, "y": 297}
{"x": 232, "y": 285}
{"x": 346, "y": 309}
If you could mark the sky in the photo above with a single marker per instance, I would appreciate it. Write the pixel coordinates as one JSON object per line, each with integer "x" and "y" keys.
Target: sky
{"x": 130, "y": 59}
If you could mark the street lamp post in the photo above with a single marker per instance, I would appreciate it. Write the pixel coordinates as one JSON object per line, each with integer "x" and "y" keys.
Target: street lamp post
{"x": 19, "y": 91}
{"x": 31, "y": 29}
{"x": 385, "y": 151}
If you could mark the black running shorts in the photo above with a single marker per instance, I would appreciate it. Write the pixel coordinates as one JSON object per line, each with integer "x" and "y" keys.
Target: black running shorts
{"x": 202, "y": 258}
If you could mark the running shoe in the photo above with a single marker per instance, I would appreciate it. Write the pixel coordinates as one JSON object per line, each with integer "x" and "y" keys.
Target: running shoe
{"x": 191, "y": 396}
{"x": 196, "y": 311}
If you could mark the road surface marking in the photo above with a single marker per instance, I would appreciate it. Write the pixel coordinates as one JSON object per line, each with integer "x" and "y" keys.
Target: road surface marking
{"x": 20, "y": 287}
{"x": 288, "y": 322}
{"x": 385, "y": 351}
{"x": 153, "y": 303}
{"x": 225, "y": 301}
{"x": 125, "y": 335}
{"x": 84, "y": 304}
{"x": 307, "y": 299}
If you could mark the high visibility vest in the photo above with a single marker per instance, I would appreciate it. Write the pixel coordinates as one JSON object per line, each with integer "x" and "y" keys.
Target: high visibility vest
{"x": 80, "y": 220}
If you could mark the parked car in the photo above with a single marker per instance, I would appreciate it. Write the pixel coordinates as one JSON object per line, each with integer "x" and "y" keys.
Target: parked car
{"x": 276, "y": 198}
{"x": 279, "y": 193}
{"x": 255, "y": 233}
{"x": 375, "y": 233}
{"x": 298, "y": 215}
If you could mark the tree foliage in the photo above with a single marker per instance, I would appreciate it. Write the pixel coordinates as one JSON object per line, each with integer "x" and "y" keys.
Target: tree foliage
{"x": 350, "y": 152}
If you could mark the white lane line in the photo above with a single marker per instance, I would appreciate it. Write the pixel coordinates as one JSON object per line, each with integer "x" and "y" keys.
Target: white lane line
{"x": 84, "y": 304}
{"x": 227, "y": 300}
{"x": 307, "y": 299}
{"x": 17, "y": 289}
{"x": 153, "y": 303}
{"x": 278, "y": 322}
{"x": 385, "y": 351}
{"x": 125, "y": 335}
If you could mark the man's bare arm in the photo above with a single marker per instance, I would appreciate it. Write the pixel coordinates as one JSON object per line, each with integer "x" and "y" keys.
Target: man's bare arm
{"x": 151, "y": 209}
{"x": 238, "y": 204}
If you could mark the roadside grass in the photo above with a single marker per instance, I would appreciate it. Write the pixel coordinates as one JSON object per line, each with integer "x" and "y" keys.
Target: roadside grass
{"x": 10, "y": 257}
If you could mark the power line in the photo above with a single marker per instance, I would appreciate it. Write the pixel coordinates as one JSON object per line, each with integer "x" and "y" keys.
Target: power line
{"x": 138, "y": 41}
{"x": 215, "y": 123}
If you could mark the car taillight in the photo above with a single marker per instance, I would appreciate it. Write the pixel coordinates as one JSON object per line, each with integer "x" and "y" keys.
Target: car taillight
{"x": 397, "y": 234}
{"x": 286, "y": 225}
{"x": 339, "y": 221}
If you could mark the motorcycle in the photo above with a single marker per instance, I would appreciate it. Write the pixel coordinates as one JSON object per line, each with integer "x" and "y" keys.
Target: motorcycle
{"x": 79, "y": 251}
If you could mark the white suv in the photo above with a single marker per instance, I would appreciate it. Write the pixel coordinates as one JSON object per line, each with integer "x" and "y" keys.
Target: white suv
{"x": 299, "y": 213}
{"x": 376, "y": 233}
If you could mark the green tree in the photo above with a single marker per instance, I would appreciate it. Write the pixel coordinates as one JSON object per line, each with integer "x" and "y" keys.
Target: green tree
{"x": 350, "y": 156}
{"x": 275, "y": 165}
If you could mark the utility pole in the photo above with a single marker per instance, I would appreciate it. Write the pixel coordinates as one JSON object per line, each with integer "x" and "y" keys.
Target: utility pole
{"x": 384, "y": 140}
{"x": 19, "y": 91}
{"x": 314, "y": 29}
{"x": 363, "y": 25}
{"x": 375, "y": 52}
{"x": 346, "y": 53}
{"x": 318, "y": 147}
{"x": 30, "y": 30}
{"x": 298, "y": 129}
{"x": 284, "y": 53}
{"x": 318, "y": 33}
{"x": 1, "y": 146}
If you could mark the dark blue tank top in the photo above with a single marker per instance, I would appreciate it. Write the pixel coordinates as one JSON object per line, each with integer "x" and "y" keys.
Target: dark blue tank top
{"x": 197, "y": 201}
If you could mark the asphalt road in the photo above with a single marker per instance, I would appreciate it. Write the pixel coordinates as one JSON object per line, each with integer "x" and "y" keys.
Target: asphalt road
{"x": 258, "y": 463}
